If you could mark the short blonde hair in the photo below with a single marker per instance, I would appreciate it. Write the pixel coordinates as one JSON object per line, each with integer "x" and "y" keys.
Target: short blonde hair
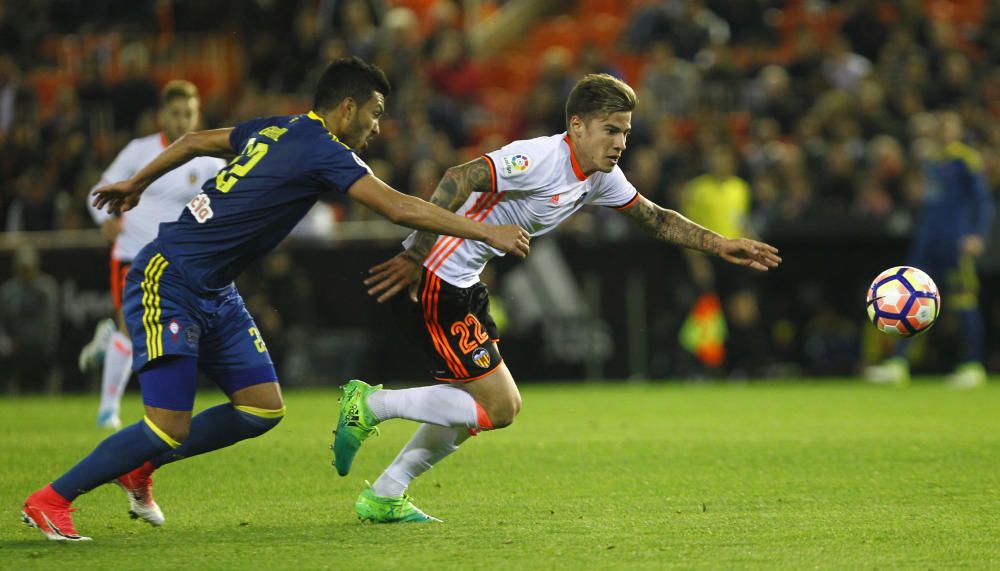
{"x": 177, "y": 89}
{"x": 599, "y": 94}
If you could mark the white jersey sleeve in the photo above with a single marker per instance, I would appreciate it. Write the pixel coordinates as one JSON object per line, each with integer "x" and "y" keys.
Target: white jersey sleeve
{"x": 613, "y": 190}
{"x": 127, "y": 163}
{"x": 523, "y": 166}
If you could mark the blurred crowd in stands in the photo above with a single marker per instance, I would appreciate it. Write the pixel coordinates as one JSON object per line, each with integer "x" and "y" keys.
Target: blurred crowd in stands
{"x": 824, "y": 110}
{"x": 823, "y": 102}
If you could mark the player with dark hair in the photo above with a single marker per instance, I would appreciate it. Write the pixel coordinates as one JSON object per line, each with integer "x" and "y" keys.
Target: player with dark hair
{"x": 163, "y": 201}
{"x": 182, "y": 310}
{"x": 536, "y": 184}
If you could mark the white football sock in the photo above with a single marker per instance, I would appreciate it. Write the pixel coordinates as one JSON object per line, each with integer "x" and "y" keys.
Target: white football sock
{"x": 117, "y": 370}
{"x": 429, "y": 445}
{"x": 443, "y": 405}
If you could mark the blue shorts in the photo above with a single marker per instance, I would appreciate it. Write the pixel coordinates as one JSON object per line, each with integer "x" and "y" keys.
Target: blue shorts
{"x": 165, "y": 317}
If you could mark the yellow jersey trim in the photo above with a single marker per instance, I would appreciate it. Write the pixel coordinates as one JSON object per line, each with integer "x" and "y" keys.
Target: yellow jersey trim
{"x": 312, "y": 115}
{"x": 965, "y": 153}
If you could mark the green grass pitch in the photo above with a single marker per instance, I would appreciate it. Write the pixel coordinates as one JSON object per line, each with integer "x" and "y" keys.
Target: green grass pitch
{"x": 791, "y": 475}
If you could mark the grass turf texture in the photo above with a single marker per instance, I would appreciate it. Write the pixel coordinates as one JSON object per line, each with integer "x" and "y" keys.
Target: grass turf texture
{"x": 780, "y": 475}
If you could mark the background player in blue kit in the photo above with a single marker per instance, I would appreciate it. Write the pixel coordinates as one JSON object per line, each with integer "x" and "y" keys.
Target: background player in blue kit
{"x": 182, "y": 310}
{"x": 957, "y": 214}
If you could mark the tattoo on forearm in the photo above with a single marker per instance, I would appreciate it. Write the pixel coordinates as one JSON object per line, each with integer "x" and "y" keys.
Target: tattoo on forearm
{"x": 451, "y": 193}
{"x": 671, "y": 226}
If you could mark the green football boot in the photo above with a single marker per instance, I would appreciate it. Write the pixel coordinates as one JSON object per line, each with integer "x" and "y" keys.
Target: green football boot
{"x": 356, "y": 423}
{"x": 399, "y": 509}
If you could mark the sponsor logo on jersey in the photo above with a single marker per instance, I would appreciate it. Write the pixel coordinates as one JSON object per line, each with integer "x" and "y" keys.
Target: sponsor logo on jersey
{"x": 201, "y": 208}
{"x": 481, "y": 357}
{"x": 514, "y": 165}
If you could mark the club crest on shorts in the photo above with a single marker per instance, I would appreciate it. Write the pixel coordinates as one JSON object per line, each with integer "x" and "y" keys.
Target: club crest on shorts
{"x": 481, "y": 357}
{"x": 174, "y": 329}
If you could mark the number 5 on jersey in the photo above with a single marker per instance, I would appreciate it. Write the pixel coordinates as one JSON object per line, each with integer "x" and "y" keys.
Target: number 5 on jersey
{"x": 252, "y": 153}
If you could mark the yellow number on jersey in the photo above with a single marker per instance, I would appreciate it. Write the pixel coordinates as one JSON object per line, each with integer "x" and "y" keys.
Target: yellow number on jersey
{"x": 241, "y": 165}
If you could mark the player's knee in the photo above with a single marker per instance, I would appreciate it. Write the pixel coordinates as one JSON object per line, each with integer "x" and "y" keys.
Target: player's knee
{"x": 257, "y": 421}
{"x": 260, "y": 395}
{"x": 180, "y": 435}
{"x": 502, "y": 414}
{"x": 172, "y": 432}
{"x": 178, "y": 430}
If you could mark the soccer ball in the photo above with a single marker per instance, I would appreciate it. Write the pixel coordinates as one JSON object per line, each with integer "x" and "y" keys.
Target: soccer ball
{"x": 903, "y": 302}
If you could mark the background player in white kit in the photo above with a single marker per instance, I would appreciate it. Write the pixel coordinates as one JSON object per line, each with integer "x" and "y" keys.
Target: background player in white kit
{"x": 163, "y": 201}
{"x": 535, "y": 184}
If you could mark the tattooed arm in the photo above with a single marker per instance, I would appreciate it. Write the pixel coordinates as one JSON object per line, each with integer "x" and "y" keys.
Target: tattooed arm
{"x": 405, "y": 270}
{"x": 456, "y": 186}
{"x": 672, "y": 227}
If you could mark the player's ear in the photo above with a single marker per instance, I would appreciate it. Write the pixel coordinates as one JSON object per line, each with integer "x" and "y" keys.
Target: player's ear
{"x": 576, "y": 125}
{"x": 350, "y": 107}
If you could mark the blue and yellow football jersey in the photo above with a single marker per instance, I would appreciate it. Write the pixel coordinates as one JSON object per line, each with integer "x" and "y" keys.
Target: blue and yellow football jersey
{"x": 957, "y": 200}
{"x": 284, "y": 164}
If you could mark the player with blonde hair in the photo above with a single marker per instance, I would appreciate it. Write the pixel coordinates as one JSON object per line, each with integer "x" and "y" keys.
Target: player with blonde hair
{"x": 163, "y": 201}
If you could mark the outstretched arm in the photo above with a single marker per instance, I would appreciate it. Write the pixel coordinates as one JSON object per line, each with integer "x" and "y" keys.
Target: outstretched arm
{"x": 457, "y": 184}
{"x": 672, "y": 227}
{"x": 124, "y": 195}
{"x": 418, "y": 214}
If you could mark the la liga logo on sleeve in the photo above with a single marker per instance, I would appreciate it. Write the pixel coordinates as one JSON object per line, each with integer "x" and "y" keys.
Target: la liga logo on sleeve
{"x": 514, "y": 165}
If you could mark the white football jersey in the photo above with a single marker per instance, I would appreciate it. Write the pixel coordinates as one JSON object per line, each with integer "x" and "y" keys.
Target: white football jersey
{"x": 537, "y": 184}
{"x": 162, "y": 201}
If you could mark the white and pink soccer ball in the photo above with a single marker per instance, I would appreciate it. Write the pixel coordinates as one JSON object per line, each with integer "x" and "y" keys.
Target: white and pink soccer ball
{"x": 903, "y": 302}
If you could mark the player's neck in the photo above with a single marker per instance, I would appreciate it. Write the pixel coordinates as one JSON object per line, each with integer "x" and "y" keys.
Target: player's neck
{"x": 580, "y": 161}
{"x": 333, "y": 122}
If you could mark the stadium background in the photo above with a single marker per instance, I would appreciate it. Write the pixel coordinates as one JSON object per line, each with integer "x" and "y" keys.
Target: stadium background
{"x": 820, "y": 99}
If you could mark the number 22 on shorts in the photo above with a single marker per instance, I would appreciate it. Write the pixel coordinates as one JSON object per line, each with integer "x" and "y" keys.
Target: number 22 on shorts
{"x": 469, "y": 339}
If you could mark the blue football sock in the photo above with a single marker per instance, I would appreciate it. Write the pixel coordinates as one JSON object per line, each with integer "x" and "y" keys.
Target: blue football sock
{"x": 902, "y": 348}
{"x": 971, "y": 326}
{"x": 219, "y": 427}
{"x": 117, "y": 454}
